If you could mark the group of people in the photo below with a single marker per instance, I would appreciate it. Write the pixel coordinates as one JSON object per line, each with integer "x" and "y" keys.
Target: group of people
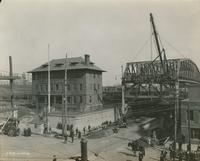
{"x": 163, "y": 155}
{"x": 135, "y": 146}
{"x": 181, "y": 155}
{"x": 84, "y": 129}
{"x": 70, "y": 132}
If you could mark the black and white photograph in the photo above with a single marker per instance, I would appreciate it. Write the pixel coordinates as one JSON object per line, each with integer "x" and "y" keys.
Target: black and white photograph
{"x": 99, "y": 80}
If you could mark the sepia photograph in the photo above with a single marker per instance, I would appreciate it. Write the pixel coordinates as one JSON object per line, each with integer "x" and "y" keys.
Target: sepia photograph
{"x": 99, "y": 80}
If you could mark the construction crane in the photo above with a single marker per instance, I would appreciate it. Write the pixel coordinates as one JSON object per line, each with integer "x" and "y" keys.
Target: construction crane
{"x": 161, "y": 53}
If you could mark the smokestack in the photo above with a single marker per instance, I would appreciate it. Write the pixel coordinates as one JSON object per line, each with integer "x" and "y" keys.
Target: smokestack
{"x": 87, "y": 59}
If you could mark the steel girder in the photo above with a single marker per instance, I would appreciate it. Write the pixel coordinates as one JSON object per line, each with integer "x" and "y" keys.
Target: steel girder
{"x": 146, "y": 79}
{"x": 148, "y": 71}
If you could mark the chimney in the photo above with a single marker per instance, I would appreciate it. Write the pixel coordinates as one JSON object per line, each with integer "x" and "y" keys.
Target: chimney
{"x": 87, "y": 59}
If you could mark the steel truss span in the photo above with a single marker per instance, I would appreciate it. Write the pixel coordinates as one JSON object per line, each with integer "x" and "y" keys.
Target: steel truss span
{"x": 146, "y": 80}
{"x": 152, "y": 72}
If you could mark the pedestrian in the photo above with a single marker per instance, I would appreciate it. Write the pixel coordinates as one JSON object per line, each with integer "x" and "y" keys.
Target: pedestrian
{"x": 76, "y": 131}
{"x": 65, "y": 136}
{"x": 71, "y": 126}
{"x": 171, "y": 154}
{"x": 198, "y": 147}
{"x": 137, "y": 145}
{"x": 180, "y": 157}
{"x": 72, "y": 135}
{"x": 84, "y": 130}
{"x": 140, "y": 157}
{"x": 54, "y": 158}
{"x": 79, "y": 135}
{"x": 68, "y": 127}
{"x": 164, "y": 154}
{"x": 161, "y": 156}
{"x": 183, "y": 138}
{"x": 187, "y": 156}
{"x": 133, "y": 146}
{"x": 45, "y": 129}
{"x": 142, "y": 149}
{"x": 89, "y": 128}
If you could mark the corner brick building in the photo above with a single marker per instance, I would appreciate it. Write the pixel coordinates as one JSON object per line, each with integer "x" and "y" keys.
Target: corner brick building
{"x": 84, "y": 89}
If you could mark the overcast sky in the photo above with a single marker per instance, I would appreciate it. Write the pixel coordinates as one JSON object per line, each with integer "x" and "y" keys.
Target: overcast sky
{"x": 110, "y": 31}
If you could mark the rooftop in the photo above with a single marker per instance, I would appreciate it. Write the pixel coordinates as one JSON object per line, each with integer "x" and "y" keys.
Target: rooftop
{"x": 72, "y": 63}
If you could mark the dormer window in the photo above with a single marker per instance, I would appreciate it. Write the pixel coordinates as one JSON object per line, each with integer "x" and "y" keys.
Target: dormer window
{"x": 59, "y": 64}
{"x": 45, "y": 65}
{"x": 74, "y": 63}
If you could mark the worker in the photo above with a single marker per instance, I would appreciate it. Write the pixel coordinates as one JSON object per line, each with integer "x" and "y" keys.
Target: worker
{"x": 79, "y": 135}
{"x": 142, "y": 149}
{"x": 54, "y": 158}
{"x": 66, "y": 136}
{"x": 76, "y": 131}
{"x": 72, "y": 135}
{"x": 68, "y": 127}
{"x": 71, "y": 126}
{"x": 180, "y": 157}
{"x": 133, "y": 146}
{"x": 198, "y": 147}
{"x": 84, "y": 130}
{"x": 162, "y": 156}
{"x": 140, "y": 156}
{"x": 45, "y": 129}
{"x": 89, "y": 128}
{"x": 170, "y": 154}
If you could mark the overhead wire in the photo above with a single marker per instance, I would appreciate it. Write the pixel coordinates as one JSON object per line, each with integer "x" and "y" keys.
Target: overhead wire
{"x": 140, "y": 49}
{"x": 177, "y": 51}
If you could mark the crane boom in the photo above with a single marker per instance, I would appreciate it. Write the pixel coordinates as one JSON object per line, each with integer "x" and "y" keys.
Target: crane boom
{"x": 157, "y": 44}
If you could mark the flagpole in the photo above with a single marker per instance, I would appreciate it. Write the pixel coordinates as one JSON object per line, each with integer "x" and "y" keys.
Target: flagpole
{"x": 49, "y": 101}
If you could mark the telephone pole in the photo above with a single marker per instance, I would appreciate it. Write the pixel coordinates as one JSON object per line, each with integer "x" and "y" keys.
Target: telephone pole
{"x": 49, "y": 92}
{"x": 64, "y": 120}
{"x": 189, "y": 130}
{"x": 11, "y": 84}
{"x": 123, "y": 101}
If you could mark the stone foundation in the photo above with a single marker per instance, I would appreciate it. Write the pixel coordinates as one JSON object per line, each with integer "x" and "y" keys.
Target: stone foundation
{"x": 94, "y": 119}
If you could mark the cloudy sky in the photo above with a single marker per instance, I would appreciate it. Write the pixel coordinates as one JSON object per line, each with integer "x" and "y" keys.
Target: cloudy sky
{"x": 111, "y": 31}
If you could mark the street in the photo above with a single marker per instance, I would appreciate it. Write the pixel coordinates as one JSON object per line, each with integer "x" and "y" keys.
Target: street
{"x": 113, "y": 147}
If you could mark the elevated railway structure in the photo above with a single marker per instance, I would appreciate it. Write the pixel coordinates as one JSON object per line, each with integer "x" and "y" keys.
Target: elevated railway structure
{"x": 145, "y": 83}
{"x": 153, "y": 87}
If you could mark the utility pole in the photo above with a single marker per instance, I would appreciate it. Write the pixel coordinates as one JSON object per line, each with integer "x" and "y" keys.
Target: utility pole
{"x": 180, "y": 139}
{"x": 123, "y": 101}
{"x": 11, "y": 84}
{"x": 49, "y": 92}
{"x": 189, "y": 130}
{"x": 64, "y": 120}
{"x": 176, "y": 105}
